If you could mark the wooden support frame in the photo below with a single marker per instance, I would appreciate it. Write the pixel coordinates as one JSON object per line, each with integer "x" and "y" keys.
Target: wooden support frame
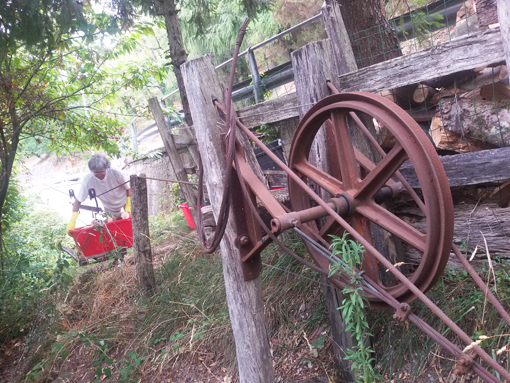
{"x": 244, "y": 298}
{"x": 141, "y": 239}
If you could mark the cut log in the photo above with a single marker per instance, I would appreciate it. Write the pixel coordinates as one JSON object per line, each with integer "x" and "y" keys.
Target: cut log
{"x": 481, "y": 77}
{"x": 447, "y": 140}
{"x": 423, "y": 94}
{"x": 476, "y": 118}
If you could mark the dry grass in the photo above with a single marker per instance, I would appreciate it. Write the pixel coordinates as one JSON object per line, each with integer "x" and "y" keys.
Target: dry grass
{"x": 183, "y": 333}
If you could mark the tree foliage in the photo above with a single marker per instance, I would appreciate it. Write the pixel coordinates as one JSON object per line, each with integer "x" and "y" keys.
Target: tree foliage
{"x": 55, "y": 82}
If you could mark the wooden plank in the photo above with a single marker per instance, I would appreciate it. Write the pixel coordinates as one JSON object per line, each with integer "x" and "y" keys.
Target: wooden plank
{"x": 244, "y": 298}
{"x": 450, "y": 57}
{"x": 278, "y": 109}
{"x": 469, "y": 168}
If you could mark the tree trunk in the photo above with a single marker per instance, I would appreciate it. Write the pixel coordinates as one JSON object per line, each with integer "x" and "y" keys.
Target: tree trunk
{"x": 372, "y": 38}
{"x": 244, "y": 297}
{"x": 7, "y": 153}
{"x": 141, "y": 239}
{"x": 178, "y": 55}
{"x": 173, "y": 155}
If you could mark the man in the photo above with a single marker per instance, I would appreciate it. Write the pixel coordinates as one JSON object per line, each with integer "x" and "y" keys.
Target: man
{"x": 111, "y": 186}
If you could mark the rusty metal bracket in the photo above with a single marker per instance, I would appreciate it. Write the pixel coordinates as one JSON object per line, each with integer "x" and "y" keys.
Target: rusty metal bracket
{"x": 402, "y": 313}
{"x": 463, "y": 365}
{"x": 358, "y": 187}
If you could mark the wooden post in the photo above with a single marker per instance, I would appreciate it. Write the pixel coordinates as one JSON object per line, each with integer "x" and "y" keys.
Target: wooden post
{"x": 173, "y": 155}
{"x": 314, "y": 64}
{"x": 189, "y": 133}
{"x": 244, "y": 298}
{"x": 504, "y": 25}
{"x": 337, "y": 33}
{"x": 141, "y": 240}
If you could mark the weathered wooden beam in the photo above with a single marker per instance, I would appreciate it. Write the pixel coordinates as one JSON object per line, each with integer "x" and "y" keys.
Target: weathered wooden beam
{"x": 244, "y": 297}
{"x": 337, "y": 33}
{"x": 173, "y": 155}
{"x": 504, "y": 22}
{"x": 141, "y": 239}
{"x": 473, "y": 223}
{"x": 278, "y": 109}
{"x": 462, "y": 169}
{"x": 450, "y": 57}
{"x": 469, "y": 168}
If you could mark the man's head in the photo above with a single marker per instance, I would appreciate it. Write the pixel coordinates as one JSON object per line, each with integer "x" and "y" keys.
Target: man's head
{"x": 98, "y": 165}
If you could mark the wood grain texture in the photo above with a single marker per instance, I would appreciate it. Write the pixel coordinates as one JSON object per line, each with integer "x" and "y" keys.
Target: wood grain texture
{"x": 173, "y": 155}
{"x": 469, "y": 168}
{"x": 504, "y": 23}
{"x": 278, "y": 109}
{"x": 473, "y": 223}
{"x": 450, "y": 57}
{"x": 244, "y": 298}
{"x": 337, "y": 33}
{"x": 141, "y": 239}
{"x": 314, "y": 64}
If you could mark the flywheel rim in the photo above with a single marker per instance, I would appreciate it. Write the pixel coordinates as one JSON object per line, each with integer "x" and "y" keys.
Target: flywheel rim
{"x": 418, "y": 149}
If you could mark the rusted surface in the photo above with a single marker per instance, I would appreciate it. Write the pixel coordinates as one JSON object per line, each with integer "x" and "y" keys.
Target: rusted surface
{"x": 357, "y": 186}
{"x": 402, "y": 312}
{"x": 412, "y": 145}
{"x": 463, "y": 365}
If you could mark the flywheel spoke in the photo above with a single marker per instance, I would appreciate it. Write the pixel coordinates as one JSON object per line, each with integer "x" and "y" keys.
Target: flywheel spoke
{"x": 394, "y": 225}
{"x": 321, "y": 178}
{"x": 382, "y": 172}
{"x": 380, "y": 150}
{"x": 343, "y": 150}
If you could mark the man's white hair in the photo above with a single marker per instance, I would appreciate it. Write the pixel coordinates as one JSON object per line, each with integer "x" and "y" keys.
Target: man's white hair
{"x": 98, "y": 162}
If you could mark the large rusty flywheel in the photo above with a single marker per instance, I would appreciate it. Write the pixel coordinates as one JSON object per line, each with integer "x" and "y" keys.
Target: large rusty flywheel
{"x": 355, "y": 169}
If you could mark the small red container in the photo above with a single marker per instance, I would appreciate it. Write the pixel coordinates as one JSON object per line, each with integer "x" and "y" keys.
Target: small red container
{"x": 187, "y": 214}
{"x": 92, "y": 241}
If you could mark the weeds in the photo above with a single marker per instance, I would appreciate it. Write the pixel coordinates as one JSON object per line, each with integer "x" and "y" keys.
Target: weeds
{"x": 352, "y": 308}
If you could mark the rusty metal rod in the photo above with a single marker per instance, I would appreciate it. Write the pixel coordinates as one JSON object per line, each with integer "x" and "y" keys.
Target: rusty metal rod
{"x": 497, "y": 305}
{"x": 372, "y": 250}
{"x": 382, "y": 294}
{"x": 430, "y": 331}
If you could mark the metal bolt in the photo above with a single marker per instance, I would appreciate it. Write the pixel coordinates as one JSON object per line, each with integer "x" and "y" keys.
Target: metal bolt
{"x": 244, "y": 240}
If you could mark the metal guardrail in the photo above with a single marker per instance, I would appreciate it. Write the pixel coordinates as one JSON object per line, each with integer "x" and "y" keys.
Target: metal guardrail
{"x": 283, "y": 74}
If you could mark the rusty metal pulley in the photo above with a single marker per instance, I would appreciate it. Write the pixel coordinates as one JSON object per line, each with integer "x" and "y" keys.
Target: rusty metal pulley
{"x": 356, "y": 174}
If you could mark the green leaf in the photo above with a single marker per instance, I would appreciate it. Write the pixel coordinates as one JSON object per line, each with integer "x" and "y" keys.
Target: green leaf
{"x": 107, "y": 372}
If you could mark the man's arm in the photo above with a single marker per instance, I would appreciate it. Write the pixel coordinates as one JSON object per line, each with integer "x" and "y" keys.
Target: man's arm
{"x": 76, "y": 205}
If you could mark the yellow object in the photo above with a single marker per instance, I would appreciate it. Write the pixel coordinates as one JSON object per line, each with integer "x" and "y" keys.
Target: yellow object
{"x": 128, "y": 205}
{"x": 72, "y": 223}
